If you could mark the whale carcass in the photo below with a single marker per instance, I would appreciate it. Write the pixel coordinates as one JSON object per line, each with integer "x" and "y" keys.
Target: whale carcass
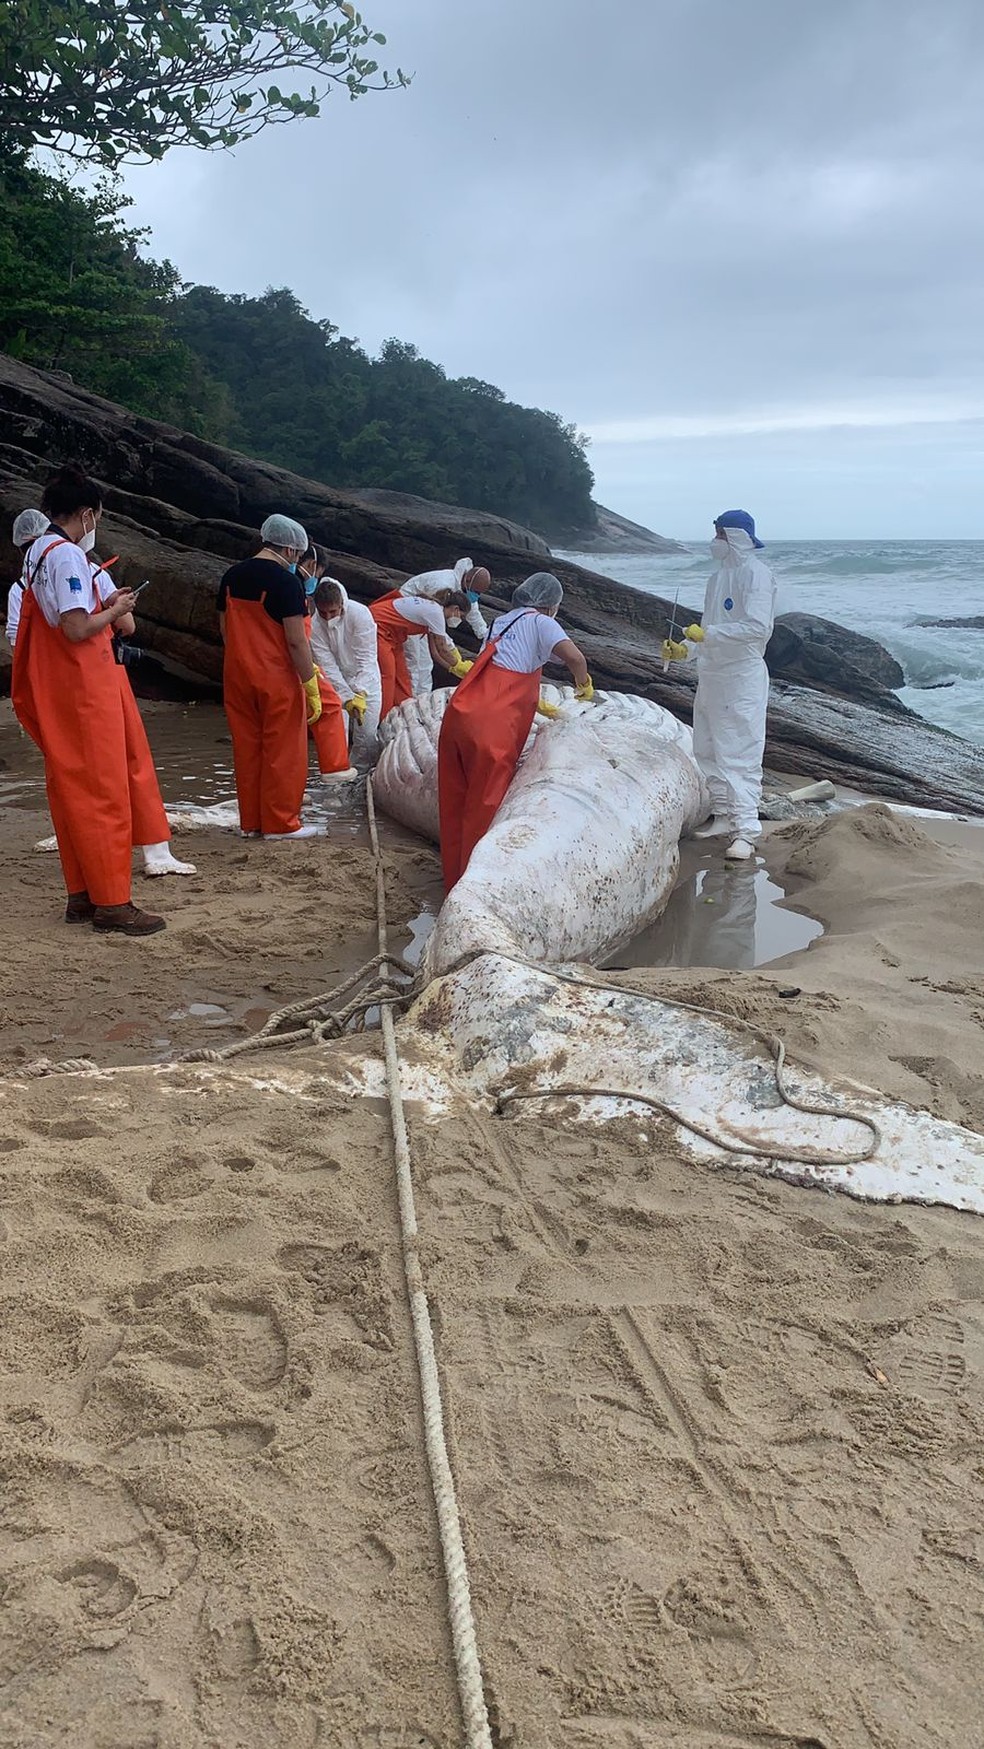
{"x": 584, "y": 850}
{"x": 508, "y": 1015}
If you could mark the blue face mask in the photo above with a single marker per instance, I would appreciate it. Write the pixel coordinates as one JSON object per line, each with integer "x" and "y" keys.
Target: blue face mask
{"x": 472, "y": 596}
{"x": 293, "y": 568}
{"x": 310, "y": 585}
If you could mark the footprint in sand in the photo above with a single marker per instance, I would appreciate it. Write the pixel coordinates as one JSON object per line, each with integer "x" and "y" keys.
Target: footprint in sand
{"x": 930, "y": 1358}
{"x": 251, "y": 1345}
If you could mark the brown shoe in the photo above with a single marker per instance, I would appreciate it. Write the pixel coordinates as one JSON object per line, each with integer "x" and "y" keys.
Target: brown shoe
{"x": 79, "y": 909}
{"x": 126, "y": 920}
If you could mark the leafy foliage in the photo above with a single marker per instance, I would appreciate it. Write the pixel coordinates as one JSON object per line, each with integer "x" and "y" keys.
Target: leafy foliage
{"x": 116, "y": 82}
{"x": 260, "y": 374}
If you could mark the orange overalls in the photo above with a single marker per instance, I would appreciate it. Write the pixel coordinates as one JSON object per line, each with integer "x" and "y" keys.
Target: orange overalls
{"x": 392, "y": 632}
{"x": 69, "y": 699}
{"x": 267, "y": 714}
{"x": 488, "y": 718}
{"x": 330, "y": 732}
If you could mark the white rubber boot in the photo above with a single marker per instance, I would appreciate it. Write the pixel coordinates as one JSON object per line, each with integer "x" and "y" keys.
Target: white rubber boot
{"x": 159, "y": 861}
{"x": 302, "y": 832}
{"x": 715, "y": 828}
{"x": 739, "y": 851}
{"x": 348, "y": 776}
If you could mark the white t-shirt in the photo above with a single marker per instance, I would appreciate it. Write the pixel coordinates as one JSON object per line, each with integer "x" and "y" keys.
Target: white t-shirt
{"x": 14, "y": 603}
{"x": 63, "y": 582}
{"x": 526, "y": 639}
{"x": 420, "y": 612}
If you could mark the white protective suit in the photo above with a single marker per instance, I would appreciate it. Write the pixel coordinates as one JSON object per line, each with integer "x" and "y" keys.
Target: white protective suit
{"x": 346, "y": 651}
{"x": 417, "y": 650}
{"x": 733, "y": 683}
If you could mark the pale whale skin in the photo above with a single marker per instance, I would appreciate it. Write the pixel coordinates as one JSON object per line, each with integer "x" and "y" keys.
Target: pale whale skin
{"x": 584, "y": 850}
{"x": 495, "y": 1027}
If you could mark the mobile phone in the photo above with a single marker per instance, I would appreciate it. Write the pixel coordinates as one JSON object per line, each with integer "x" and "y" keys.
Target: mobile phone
{"x": 142, "y": 586}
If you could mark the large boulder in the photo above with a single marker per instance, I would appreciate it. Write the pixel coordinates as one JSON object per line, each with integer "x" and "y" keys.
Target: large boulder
{"x": 827, "y": 655}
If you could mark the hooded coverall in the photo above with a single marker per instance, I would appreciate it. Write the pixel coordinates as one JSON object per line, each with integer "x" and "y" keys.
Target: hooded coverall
{"x": 733, "y": 684}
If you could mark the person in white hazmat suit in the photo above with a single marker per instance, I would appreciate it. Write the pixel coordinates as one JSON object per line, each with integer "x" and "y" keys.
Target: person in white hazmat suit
{"x": 732, "y": 681}
{"x": 344, "y": 646}
{"x": 465, "y": 576}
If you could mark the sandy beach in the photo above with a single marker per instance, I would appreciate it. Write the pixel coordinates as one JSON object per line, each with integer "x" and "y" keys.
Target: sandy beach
{"x": 717, "y": 1439}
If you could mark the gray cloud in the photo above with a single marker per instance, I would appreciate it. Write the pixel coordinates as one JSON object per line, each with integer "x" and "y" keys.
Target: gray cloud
{"x": 686, "y": 228}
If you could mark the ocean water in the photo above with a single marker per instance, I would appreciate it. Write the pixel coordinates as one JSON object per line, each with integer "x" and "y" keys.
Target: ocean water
{"x": 887, "y": 589}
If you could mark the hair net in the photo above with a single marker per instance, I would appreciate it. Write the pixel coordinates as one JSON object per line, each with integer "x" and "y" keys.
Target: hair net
{"x": 739, "y": 519}
{"x": 283, "y": 531}
{"x": 542, "y": 590}
{"x": 27, "y": 526}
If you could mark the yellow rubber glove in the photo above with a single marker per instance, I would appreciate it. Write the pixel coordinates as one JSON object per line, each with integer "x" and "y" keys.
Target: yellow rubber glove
{"x": 673, "y": 652}
{"x": 313, "y": 697}
{"x": 460, "y": 667}
{"x": 545, "y": 709}
{"x": 357, "y": 706}
{"x": 695, "y": 633}
{"x": 585, "y": 692}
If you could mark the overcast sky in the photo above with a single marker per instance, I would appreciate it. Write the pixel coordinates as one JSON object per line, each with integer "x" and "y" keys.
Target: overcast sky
{"x": 739, "y": 244}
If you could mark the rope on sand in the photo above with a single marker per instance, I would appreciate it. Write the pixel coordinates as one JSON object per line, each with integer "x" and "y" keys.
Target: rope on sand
{"x": 319, "y": 1016}
{"x": 470, "y": 1687}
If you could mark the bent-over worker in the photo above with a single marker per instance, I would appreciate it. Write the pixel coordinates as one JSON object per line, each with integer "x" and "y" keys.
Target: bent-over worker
{"x": 67, "y": 695}
{"x": 732, "y": 681}
{"x": 330, "y": 733}
{"x": 489, "y": 716}
{"x": 472, "y": 581}
{"x": 269, "y": 684}
{"x": 345, "y": 646}
{"x": 399, "y": 618}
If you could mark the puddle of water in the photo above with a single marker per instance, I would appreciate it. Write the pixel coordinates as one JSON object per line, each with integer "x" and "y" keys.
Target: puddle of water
{"x": 419, "y": 929}
{"x": 728, "y": 916}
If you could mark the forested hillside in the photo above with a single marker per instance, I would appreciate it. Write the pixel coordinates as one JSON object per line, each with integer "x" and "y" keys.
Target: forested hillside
{"x": 78, "y": 294}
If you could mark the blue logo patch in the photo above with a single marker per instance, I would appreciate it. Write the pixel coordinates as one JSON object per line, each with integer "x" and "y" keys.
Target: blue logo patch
{"x": 75, "y": 585}
{"x": 728, "y": 604}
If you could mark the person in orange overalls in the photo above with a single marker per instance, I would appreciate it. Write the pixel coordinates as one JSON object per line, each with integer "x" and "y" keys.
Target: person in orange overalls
{"x": 330, "y": 733}
{"x": 67, "y": 696}
{"x": 270, "y": 688}
{"x": 489, "y": 716}
{"x": 151, "y": 828}
{"x": 399, "y": 617}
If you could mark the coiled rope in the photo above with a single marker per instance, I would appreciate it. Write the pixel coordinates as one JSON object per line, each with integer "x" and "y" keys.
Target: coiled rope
{"x": 468, "y": 1669}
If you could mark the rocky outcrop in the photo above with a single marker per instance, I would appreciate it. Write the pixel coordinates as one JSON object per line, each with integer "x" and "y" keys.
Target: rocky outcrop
{"x": 827, "y": 655}
{"x": 178, "y": 510}
{"x": 615, "y": 534}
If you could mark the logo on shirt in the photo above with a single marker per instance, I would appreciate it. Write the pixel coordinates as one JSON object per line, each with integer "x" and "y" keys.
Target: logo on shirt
{"x": 729, "y": 604}
{"x": 75, "y": 585}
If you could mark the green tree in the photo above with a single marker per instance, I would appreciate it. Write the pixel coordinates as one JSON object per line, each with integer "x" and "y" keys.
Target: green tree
{"x": 76, "y": 295}
{"x": 118, "y": 82}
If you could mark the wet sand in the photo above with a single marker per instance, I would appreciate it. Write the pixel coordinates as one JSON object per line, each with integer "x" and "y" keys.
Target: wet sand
{"x": 717, "y": 1439}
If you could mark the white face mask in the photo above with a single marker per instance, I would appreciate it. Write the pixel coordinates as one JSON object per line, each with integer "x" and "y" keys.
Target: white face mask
{"x": 719, "y": 549}
{"x": 88, "y": 541}
{"x": 453, "y": 624}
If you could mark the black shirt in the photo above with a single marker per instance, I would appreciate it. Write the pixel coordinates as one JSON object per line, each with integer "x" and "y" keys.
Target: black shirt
{"x": 281, "y": 591}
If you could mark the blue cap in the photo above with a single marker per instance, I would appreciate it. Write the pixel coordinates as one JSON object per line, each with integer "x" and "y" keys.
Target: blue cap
{"x": 739, "y": 519}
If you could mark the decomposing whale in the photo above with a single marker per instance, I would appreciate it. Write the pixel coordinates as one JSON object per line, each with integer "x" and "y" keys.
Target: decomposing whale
{"x": 509, "y": 1016}
{"x": 584, "y": 850}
